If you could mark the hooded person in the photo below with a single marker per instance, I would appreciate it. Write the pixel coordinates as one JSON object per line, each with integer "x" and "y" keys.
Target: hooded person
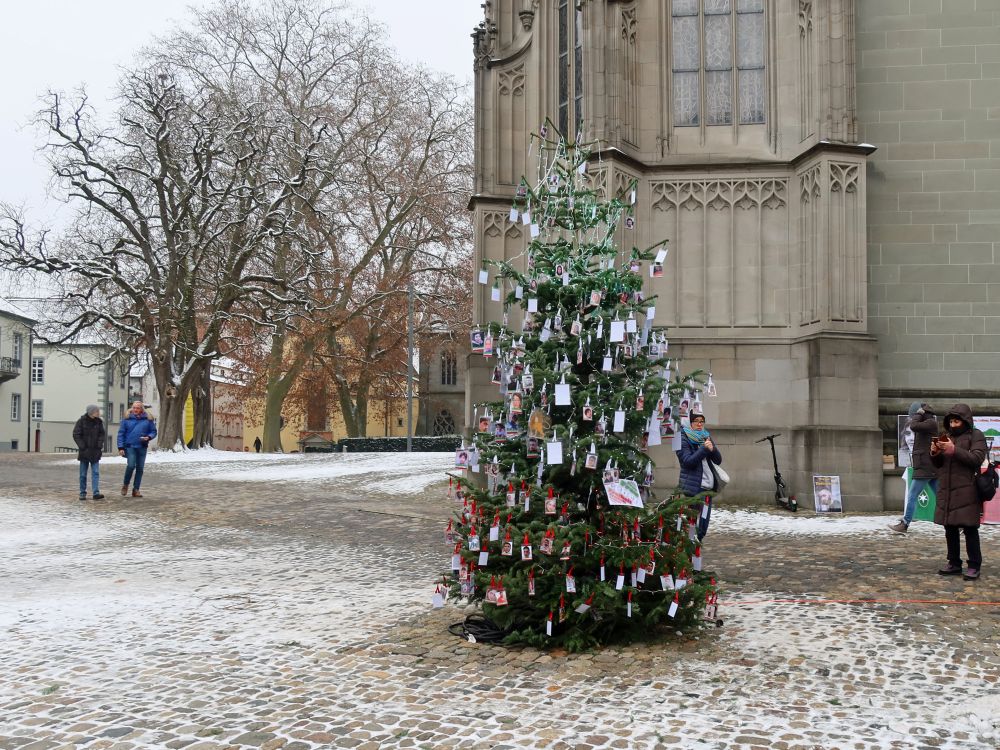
{"x": 924, "y": 425}
{"x": 89, "y": 435}
{"x": 697, "y": 455}
{"x": 957, "y": 456}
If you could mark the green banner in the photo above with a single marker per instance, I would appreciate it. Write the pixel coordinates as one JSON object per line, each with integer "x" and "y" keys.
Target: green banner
{"x": 926, "y": 500}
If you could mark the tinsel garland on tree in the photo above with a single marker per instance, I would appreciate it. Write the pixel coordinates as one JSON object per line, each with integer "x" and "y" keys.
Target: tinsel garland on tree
{"x": 565, "y": 543}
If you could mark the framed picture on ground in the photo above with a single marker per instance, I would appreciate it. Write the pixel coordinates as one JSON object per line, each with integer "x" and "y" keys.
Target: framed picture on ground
{"x": 826, "y": 494}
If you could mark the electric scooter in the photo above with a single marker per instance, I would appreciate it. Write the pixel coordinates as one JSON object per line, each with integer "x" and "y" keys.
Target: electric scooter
{"x": 781, "y": 496}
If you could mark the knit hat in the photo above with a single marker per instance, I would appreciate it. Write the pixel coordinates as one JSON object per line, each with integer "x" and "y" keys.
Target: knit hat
{"x": 914, "y": 408}
{"x": 693, "y": 414}
{"x": 92, "y": 410}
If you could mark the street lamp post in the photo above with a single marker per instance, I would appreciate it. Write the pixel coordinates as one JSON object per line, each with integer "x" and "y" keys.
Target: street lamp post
{"x": 409, "y": 368}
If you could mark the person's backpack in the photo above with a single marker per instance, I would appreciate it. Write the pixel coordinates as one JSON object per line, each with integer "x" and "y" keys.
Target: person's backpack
{"x": 986, "y": 483}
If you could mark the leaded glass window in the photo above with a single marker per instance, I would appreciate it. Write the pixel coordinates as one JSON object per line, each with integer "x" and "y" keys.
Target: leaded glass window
{"x": 708, "y": 37}
{"x": 570, "y": 67}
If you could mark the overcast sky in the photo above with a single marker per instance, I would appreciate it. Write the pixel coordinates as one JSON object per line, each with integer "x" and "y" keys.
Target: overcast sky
{"x": 62, "y": 44}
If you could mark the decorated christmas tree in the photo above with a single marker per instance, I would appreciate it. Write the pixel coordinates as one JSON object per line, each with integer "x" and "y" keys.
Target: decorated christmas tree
{"x": 559, "y": 533}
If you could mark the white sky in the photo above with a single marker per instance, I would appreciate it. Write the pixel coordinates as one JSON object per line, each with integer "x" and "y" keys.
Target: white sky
{"x": 63, "y": 44}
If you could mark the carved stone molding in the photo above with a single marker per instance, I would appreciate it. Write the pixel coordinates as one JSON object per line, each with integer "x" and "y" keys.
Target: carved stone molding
{"x": 767, "y": 193}
{"x": 628, "y": 25}
{"x": 844, "y": 177}
{"x": 527, "y": 19}
{"x": 511, "y": 82}
{"x": 810, "y": 184}
{"x": 493, "y": 223}
{"x": 805, "y": 16}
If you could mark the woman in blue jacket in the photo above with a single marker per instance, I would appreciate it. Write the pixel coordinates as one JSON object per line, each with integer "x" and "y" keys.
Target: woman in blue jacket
{"x": 134, "y": 435}
{"x": 696, "y": 456}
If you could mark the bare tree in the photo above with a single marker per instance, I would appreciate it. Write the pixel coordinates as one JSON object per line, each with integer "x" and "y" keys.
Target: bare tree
{"x": 174, "y": 214}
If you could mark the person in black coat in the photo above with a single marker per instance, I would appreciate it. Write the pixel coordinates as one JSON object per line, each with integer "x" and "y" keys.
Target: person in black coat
{"x": 89, "y": 435}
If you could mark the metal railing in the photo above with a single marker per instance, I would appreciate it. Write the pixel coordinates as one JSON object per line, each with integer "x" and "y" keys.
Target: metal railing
{"x": 9, "y": 364}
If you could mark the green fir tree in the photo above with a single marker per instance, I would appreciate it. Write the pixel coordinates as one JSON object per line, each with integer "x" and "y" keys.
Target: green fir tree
{"x": 583, "y": 371}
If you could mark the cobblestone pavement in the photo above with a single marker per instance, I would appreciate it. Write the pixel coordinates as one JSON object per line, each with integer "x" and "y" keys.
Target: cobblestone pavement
{"x": 218, "y": 613}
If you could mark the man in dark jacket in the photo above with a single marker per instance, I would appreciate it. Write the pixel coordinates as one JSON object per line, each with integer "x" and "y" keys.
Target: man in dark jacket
{"x": 924, "y": 425}
{"x": 134, "y": 435}
{"x": 957, "y": 457}
{"x": 697, "y": 455}
{"x": 89, "y": 434}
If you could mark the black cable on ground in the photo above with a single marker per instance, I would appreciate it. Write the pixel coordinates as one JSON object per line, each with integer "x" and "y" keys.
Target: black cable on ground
{"x": 478, "y": 629}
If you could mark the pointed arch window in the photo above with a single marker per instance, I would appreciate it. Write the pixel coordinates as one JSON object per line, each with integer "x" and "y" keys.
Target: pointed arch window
{"x": 570, "y": 67}
{"x": 717, "y": 62}
{"x": 449, "y": 368}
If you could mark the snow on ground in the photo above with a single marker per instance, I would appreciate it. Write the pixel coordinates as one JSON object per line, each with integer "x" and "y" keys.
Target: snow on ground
{"x": 416, "y": 473}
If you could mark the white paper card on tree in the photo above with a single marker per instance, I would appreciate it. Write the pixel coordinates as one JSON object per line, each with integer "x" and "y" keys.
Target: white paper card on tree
{"x": 673, "y": 609}
{"x": 661, "y": 256}
{"x": 548, "y": 627}
{"x": 619, "y": 421}
{"x": 667, "y": 582}
{"x": 494, "y": 533}
{"x": 570, "y": 585}
{"x": 565, "y": 279}
{"x": 651, "y": 312}
{"x": 606, "y": 366}
{"x": 553, "y": 453}
{"x": 484, "y": 558}
{"x": 675, "y": 441}
{"x": 532, "y": 304}
{"x": 484, "y": 276}
{"x": 456, "y": 562}
{"x": 629, "y": 609}
{"x": 526, "y": 218}
{"x": 535, "y": 231}
{"x": 518, "y": 292}
{"x": 617, "y": 330}
{"x": 630, "y": 325}
{"x": 640, "y": 575}
{"x": 654, "y": 432}
{"x": 704, "y": 510}
{"x": 696, "y": 563}
{"x": 562, "y": 394}
{"x": 680, "y": 583}
{"x": 495, "y": 294}
{"x": 602, "y": 573}
{"x": 513, "y": 215}
{"x": 437, "y": 601}
{"x": 620, "y": 582}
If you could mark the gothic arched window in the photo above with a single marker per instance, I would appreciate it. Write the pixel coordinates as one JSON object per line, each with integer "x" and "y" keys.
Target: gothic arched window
{"x": 444, "y": 423}
{"x": 570, "y": 67}
{"x": 718, "y": 61}
{"x": 449, "y": 368}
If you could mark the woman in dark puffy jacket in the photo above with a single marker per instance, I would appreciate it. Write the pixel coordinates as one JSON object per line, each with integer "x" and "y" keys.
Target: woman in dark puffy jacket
{"x": 957, "y": 456}
{"x": 697, "y": 454}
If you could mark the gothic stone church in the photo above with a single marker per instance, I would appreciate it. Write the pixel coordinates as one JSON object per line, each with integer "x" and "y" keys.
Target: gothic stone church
{"x": 828, "y": 174}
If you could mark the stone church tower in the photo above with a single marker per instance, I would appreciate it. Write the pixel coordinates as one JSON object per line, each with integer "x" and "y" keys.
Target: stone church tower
{"x": 738, "y": 119}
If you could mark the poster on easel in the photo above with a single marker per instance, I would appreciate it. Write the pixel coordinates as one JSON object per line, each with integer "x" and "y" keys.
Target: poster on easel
{"x": 826, "y": 494}
{"x": 990, "y": 427}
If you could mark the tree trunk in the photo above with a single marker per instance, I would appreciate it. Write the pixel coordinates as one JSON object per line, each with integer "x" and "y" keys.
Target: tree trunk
{"x": 170, "y": 420}
{"x": 201, "y": 398}
{"x": 278, "y": 385}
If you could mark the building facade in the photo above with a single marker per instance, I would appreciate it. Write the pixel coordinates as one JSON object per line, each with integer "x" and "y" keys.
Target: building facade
{"x": 746, "y": 126}
{"x": 15, "y": 378}
{"x": 64, "y": 380}
{"x": 441, "y": 385}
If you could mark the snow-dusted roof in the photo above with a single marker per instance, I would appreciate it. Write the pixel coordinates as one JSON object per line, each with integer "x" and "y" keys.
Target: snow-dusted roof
{"x": 8, "y": 307}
